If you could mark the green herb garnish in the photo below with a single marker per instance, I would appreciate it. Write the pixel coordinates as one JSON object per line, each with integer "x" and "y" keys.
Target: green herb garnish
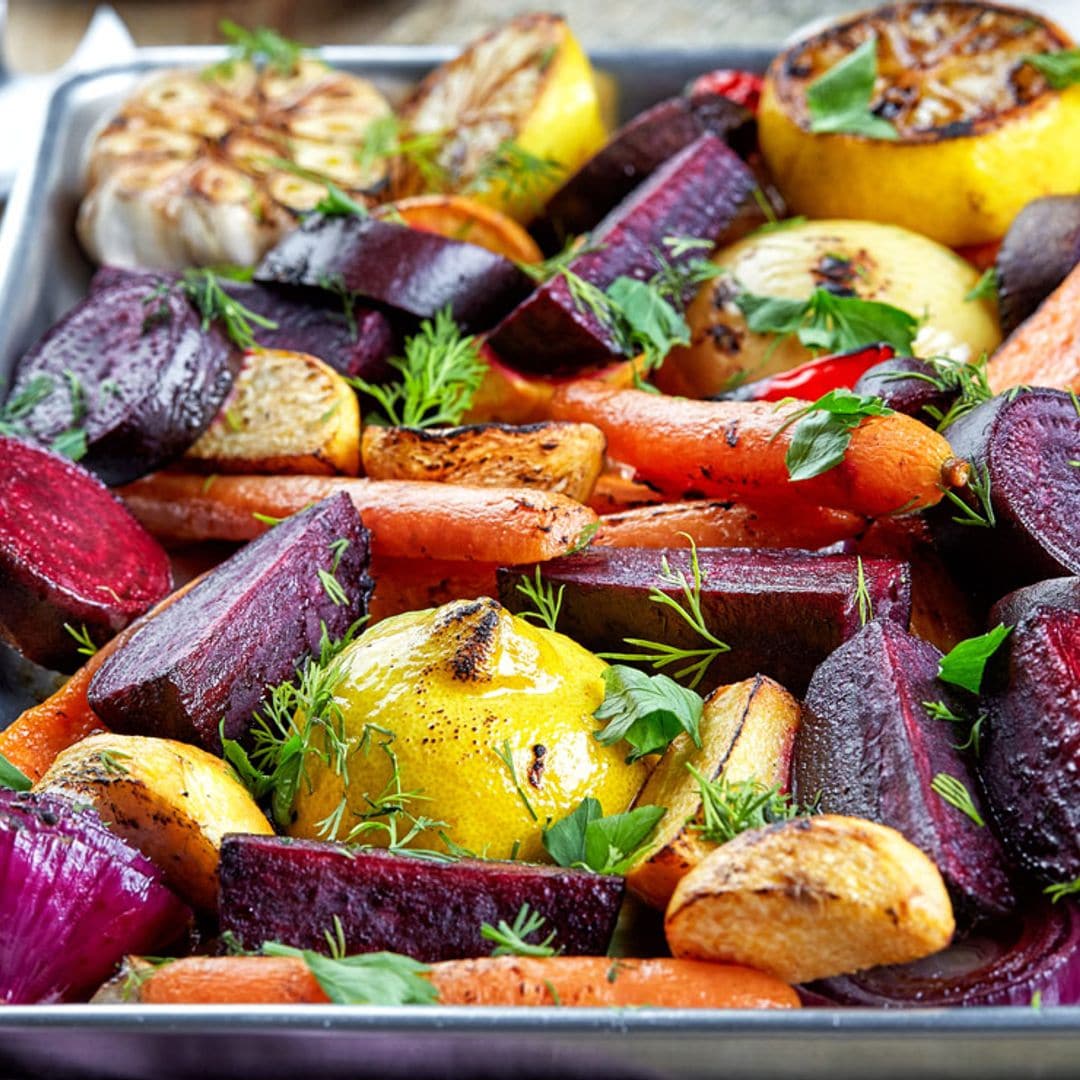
{"x": 259, "y": 46}
{"x": 510, "y": 938}
{"x": 13, "y": 778}
{"x": 986, "y": 288}
{"x": 965, "y": 663}
{"x": 1060, "y": 69}
{"x": 546, "y": 601}
{"x": 385, "y": 139}
{"x": 839, "y": 101}
{"x": 733, "y": 807}
{"x": 979, "y": 485}
{"x": 956, "y": 795}
{"x": 82, "y": 638}
{"x": 863, "y": 600}
{"x": 506, "y": 756}
{"x": 111, "y": 761}
{"x": 203, "y": 289}
{"x": 520, "y": 173}
{"x": 1062, "y": 890}
{"x": 938, "y": 710}
{"x": 967, "y": 380}
{"x": 647, "y": 711}
{"x": 607, "y": 845}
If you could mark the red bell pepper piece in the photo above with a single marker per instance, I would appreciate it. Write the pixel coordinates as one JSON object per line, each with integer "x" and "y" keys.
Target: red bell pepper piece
{"x": 814, "y": 378}
{"x": 742, "y": 87}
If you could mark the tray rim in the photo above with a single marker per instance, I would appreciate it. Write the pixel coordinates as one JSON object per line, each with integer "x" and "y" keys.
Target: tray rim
{"x": 995, "y": 1021}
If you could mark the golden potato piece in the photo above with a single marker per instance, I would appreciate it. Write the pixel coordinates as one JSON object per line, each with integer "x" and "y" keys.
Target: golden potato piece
{"x": 561, "y": 457}
{"x": 812, "y": 898}
{"x": 288, "y": 413}
{"x": 747, "y": 733}
{"x": 172, "y": 801}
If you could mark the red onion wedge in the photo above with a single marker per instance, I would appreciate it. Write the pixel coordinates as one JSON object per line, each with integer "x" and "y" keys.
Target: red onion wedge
{"x": 74, "y": 899}
{"x": 1034, "y": 957}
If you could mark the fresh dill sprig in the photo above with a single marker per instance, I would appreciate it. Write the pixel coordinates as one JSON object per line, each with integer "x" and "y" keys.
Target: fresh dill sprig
{"x": 956, "y": 795}
{"x": 733, "y": 807}
{"x": 519, "y": 172}
{"x": 440, "y": 373}
{"x": 386, "y": 140}
{"x": 71, "y": 443}
{"x": 660, "y": 654}
{"x": 983, "y": 515}
{"x": 506, "y": 756}
{"x": 863, "y": 601}
{"x": 111, "y": 762}
{"x": 509, "y": 938}
{"x": 82, "y": 638}
{"x": 331, "y": 586}
{"x": 1062, "y": 890}
{"x": 259, "y": 46}
{"x": 938, "y": 710}
{"x": 546, "y": 600}
{"x": 967, "y": 380}
{"x": 12, "y": 777}
{"x": 203, "y": 288}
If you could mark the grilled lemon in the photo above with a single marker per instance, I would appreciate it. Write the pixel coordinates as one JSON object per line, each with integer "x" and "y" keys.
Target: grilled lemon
{"x": 515, "y": 114}
{"x": 979, "y": 131}
{"x": 203, "y": 168}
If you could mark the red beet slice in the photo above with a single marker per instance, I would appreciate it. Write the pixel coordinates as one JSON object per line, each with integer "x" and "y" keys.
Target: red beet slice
{"x": 70, "y": 552}
{"x": 274, "y": 889}
{"x": 695, "y": 194}
{"x": 408, "y": 269}
{"x": 74, "y": 899}
{"x": 633, "y": 154}
{"x": 782, "y": 612}
{"x": 307, "y": 324}
{"x": 1038, "y": 252}
{"x": 213, "y": 652}
{"x": 136, "y": 372}
{"x": 867, "y": 748}
{"x": 1024, "y": 444}
{"x": 1031, "y": 765}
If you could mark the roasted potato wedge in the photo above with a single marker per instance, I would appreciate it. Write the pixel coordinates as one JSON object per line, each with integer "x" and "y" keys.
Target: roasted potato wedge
{"x": 747, "y": 733}
{"x": 288, "y": 413}
{"x": 172, "y": 801}
{"x": 812, "y": 898}
{"x": 565, "y": 458}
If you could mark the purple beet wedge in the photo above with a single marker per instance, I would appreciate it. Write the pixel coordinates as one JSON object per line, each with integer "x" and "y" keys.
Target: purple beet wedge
{"x": 781, "y": 612}
{"x": 1031, "y": 766}
{"x": 695, "y": 194}
{"x": 214, "y": 651}
{"x": 868, "y": 748}
{"x": 1055, "y": 594}
{"x": 135, "y": 371}
{"x": 633, "y": 154}
{"x": 406, "y": 269}
{"x": 903, "y": 384}
{"x": 273, "y": 889}
{"x": 70, "y": 552}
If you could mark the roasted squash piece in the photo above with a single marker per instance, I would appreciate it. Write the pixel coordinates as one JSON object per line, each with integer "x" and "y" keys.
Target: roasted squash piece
{"x": 288, "y": 413}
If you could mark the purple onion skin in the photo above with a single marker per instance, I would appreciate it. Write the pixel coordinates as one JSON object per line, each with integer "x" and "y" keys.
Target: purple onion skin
{"x": 1037, "y": 952}
{"x": 74, "y": 900}
{"x": 867, "y": 748}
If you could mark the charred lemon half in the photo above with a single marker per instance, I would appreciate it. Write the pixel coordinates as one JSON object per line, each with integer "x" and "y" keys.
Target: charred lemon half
{"x": 979, "y": 131}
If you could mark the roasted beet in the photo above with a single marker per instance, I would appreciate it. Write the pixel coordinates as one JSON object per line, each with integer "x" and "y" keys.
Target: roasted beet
{"x": 70, "y": 552}
{"x": 1031, "y": 765}
{"x": 633, "y": 154}
{"x": 868, "y": 748}
{"x": 356, "y": 340}
{"x": 1040, "y": 248}
{"x": 408, "y": 269}
{"x": 695, "y": 194}
{"x": 273, "y": 889}
{"x": 1056, "y": 593}
{"x": 1022, "y": 443}
{"x": 213, "y": 652}
{"x": 910, "y": 395}
{"x": 782, "y": 612}
{"x": 132, "y": 369}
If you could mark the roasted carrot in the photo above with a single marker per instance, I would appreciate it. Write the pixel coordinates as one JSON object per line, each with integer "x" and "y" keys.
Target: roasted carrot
{"x": 616, "y": 490}
{"x": 1044, "y": 350}
{"x": 732, "y": 449}
{"x": 726, "y": 524}
{"x": 415, "y": 584}
{"x": 503, "y": 980}
{"x": 407, "y": 519}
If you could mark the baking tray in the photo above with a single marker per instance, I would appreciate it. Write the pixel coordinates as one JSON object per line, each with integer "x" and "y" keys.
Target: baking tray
{"x": 42, "y": 273}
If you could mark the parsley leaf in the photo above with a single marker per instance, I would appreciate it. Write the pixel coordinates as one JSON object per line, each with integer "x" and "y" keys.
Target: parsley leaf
{"x": 648, "y": 711}
{"x": 650, "y": 324}
{"x": 12, "y": 777}
{"x": 965, "y": 663}
{"x": 823, "y": 431}
{"x": 839, "y": 100}
{"x": 986, "y": 288}
{"x": 606, "y": 845}
{"x": 1060, "y": 69}
{"x": 379, "y": 978}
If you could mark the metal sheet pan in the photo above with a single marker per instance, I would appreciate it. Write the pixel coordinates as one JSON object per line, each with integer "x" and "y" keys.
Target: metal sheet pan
{"x": 42, "y": 272}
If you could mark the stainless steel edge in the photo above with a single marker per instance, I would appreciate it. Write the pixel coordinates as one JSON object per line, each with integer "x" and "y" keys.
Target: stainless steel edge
{"x": 41, "y": 273}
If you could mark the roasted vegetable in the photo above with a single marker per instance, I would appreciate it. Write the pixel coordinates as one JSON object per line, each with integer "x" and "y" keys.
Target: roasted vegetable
{"x": 172, "y": 801}
{"x": 566, "y": 458}
{"x": 202, "y": 665}
{"x": 776, "y": 613}
{"x": 287, "y": 413}
{"x": 74, "y": 898}
{"x": 1055, "y": 594}
{"x": 908, "y": 385}
{"x": 415, "y": 584}
{"x": 74, "y": 564}
{"x": 132, "y": 368}
{"x": 407, "y": 519}
{"x": 747, "y": 734}
{"x": 413, "y": 271}
{"x": 693, "y": 195}
{"x": 812, "y": 898}
{"x": 736, "y": 449}
{"x": 487, "y": 717}
{"x": 291, "y": 890}
{"x": 872, "y": 746}
{"x": 815, "y": 377}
